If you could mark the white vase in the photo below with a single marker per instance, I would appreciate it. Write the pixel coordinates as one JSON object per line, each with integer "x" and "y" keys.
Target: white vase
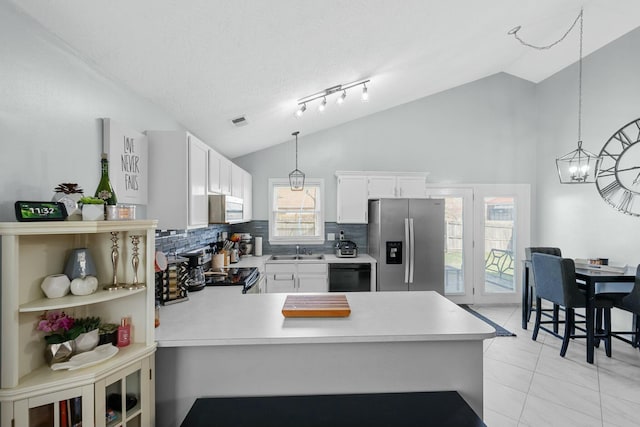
{"x": 56, "y": 285}
{"x": 84, "y": 285}
{"x": 92, "y": 212}
{"x": 87, "y": 341}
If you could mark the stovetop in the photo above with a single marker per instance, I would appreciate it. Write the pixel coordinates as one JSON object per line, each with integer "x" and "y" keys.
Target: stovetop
{"x": 240, "y": 276}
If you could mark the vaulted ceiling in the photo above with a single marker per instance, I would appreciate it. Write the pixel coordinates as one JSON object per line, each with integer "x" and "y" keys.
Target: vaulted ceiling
{"x": 208, "y": 61}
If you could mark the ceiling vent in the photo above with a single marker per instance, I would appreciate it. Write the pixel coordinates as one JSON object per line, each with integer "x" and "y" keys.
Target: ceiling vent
{"x": 240, "y": 121}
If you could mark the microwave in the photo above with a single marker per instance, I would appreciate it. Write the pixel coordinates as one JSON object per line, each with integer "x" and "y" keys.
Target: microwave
{"x": 225, "y": 209}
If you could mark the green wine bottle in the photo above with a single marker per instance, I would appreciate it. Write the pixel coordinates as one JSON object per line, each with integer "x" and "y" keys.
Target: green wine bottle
{"x": 105, "y": 189}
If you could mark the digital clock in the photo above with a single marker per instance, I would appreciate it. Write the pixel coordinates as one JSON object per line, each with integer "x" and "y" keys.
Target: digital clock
{"x": 40, "y": 211}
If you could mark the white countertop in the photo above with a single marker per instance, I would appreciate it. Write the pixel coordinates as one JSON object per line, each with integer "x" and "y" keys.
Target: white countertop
{"x": 214, "y": 317}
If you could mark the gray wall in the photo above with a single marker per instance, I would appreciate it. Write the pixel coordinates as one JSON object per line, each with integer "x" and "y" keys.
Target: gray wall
{"x": 574, "y": 217}
{"x": 51, "y": 103}
{"x": 481, "y": 132}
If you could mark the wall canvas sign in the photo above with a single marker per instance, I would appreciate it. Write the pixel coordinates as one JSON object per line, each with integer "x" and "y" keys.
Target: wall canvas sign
{"x": 128, "y": 154}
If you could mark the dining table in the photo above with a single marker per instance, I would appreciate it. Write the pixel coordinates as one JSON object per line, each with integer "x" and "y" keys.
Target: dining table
{"x": 588, "y": 277}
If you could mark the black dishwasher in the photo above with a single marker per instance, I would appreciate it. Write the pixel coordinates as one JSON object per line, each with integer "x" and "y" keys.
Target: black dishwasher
{"x": 350, "y": 277}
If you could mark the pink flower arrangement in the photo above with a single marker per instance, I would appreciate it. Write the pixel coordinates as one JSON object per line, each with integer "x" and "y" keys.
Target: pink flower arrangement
{"x": 60, "y": 325}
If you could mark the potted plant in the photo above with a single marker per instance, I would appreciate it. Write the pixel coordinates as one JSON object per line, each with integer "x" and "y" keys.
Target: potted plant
{"x": 92, "y": 208}
{"x": 89, "y": 333}
{"x": 69, "y": 194}
{"x": 60, "y": 341}
{"x": 108, "y": 333}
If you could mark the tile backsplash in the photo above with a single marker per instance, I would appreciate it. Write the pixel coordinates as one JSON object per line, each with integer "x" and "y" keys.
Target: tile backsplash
{"x": 177, "y": 241}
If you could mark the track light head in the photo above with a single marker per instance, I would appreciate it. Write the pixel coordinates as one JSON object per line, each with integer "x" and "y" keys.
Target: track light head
{"x": 301, "y": 110}
{"x": 323, "y": 105}
{"x": 365, "y": 93}
{"x": 341, "y": 98}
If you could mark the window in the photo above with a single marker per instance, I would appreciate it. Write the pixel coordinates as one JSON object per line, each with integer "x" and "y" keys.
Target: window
{"x": 296, "y": 216}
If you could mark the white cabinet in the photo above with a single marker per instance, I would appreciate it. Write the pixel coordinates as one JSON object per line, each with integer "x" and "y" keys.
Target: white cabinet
{"x": 214, "y": 185}
{"x": 352, "y": 200}
{"x": 225, "y": 175}
{"x": 380, "y": 187}
{"x": 296, "y": 277}
{"x": 125, "y": 396}
{"x": 355, "y": 188}
{"x": 178, "y": 180}
{"x": 247, "y": 196}
{"x": 313, "y": 277}
{"x": 236, "y": 180}
{"x": 30, "y": 390}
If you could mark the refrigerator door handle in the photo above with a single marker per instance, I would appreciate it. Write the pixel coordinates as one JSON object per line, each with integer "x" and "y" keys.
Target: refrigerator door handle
{"x": 412, "y": 249}
{"x": 406, "y": 242}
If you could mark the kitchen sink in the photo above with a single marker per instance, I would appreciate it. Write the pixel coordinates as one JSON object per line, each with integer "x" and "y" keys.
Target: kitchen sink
{"x": 296, "y": 257}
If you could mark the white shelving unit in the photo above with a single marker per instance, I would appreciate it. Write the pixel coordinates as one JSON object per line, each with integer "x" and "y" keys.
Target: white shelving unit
{"x": 29, "y": 388}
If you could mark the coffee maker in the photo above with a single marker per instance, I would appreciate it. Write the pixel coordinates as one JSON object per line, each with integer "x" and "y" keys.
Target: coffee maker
{"x": 192, "y": 271}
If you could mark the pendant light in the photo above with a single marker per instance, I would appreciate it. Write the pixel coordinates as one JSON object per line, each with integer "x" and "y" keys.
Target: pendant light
{"x": 579, "y": 166}
{"x": 296, "y": 177}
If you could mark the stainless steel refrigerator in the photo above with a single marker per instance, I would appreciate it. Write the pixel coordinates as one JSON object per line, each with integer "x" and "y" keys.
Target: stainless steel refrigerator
{"x": 406, "y": 237}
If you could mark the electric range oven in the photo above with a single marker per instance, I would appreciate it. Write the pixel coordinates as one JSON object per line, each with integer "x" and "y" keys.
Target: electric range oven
{"x": 247, "y": 277}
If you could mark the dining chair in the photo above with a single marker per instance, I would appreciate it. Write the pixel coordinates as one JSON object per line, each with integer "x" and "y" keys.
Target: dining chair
{"x": 542, "y": 250}
{"x": 555, "y": 281}
{"x": 630, "y": 302}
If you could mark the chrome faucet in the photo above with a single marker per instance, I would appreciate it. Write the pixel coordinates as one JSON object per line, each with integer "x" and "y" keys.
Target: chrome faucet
{"x": 297, "y": 250}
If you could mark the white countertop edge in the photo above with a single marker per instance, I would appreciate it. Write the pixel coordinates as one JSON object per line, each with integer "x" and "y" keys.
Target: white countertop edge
{"x": 323, "y": 340}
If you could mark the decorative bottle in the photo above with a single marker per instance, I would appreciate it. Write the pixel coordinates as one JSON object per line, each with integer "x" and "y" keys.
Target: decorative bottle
{"x": 105, "y": 189}
{"x": 124, "y": 332}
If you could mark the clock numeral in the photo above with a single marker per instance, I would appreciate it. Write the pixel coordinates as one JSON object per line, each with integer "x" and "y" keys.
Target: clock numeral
{"x": 610, "y": 189}
{"x": 613, "y": 156}
{"x": 623, "y": 138}
{"x": 607, "y": 172}
{"x": 626, "y": 201}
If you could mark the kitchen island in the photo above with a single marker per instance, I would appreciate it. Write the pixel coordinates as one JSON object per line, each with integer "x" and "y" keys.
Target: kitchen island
{"x": 222, "y": 344}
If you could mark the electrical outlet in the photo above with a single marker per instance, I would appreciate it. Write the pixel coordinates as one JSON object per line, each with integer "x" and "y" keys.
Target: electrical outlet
{"x": 331, "y": 236}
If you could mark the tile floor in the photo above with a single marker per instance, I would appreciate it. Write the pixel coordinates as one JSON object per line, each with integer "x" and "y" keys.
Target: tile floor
{"x": 527, "y": 383}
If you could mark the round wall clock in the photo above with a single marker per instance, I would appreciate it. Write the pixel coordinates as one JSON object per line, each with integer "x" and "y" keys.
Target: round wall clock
{"x": 619, "y": 179}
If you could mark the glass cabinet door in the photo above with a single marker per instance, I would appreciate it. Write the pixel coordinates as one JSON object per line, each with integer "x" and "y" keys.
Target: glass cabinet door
{"x": 67, "y": 408}
{"x": 123, "y": 394}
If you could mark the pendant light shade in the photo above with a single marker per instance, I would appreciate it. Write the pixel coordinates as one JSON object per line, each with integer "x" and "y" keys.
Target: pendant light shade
{"x": 296, "y": 177}
{"x": 578, "y": 167}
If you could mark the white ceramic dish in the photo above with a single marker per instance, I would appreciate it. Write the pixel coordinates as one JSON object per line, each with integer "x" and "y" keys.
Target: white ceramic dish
{"x": 89, "y": 358}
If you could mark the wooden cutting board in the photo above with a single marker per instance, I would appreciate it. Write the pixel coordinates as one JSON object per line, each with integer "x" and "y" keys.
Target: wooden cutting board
{"x": 330, "y": 305}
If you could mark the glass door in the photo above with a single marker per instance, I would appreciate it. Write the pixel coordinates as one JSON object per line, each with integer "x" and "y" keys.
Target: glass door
{"x": 502, "y": 232}
{"x": 458, "y": 272}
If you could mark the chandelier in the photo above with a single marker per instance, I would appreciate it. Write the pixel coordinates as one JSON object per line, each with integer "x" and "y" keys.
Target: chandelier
{"x": 578, "y": 166}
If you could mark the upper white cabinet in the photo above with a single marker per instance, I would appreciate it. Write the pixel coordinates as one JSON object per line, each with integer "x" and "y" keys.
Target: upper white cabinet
{"x": 247, "y": 196}
{"x": 386, "y": 186}
{"x": 178, "y": 180}
{"x": 214, "y": 184}
{"x": 355, "y": 188}
{"x": 352, "y": 200}
{"x": 237, "y": 174}
{"x": 225, "y": 176}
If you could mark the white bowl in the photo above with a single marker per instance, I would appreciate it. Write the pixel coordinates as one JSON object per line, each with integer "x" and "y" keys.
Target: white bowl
{"x": 56, "y": 285}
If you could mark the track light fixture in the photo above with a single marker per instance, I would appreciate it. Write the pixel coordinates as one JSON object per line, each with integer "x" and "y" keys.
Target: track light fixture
{"x": 302, "y": 102}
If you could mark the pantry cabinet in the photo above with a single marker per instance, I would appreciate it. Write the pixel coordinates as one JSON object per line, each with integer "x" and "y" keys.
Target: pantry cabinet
{"x": 31, "y": 393}
{"x": 178, "y": 176}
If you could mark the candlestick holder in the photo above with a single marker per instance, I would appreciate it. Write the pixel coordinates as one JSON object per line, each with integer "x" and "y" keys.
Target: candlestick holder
{"x": 135, "y": 262}
{"x": 115, "y": 255}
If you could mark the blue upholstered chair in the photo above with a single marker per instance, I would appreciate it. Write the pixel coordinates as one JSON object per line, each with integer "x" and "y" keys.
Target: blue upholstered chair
{"x": 542, "y": 250}
{"x": 555, "y": 281}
